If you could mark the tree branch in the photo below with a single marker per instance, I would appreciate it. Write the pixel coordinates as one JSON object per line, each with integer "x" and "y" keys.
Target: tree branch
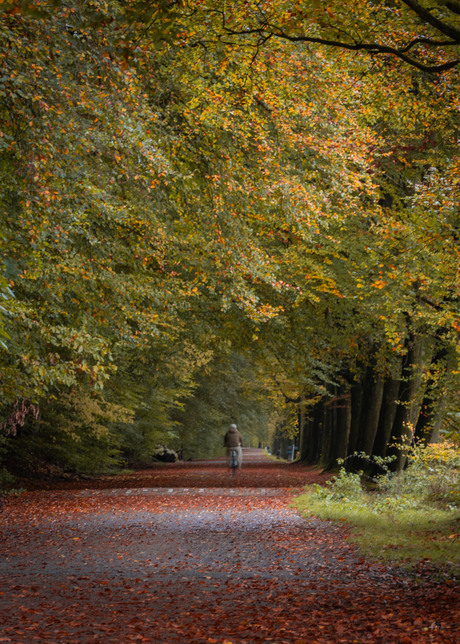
{"x": 371, "y": 48}
{"x": 429, "y": 18}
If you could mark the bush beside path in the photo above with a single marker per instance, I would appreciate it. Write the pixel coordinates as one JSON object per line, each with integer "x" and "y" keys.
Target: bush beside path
{"x": 188, "y": 553}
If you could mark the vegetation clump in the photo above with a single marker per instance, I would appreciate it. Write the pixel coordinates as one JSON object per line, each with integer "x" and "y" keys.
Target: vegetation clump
{"x": 409, "y": 517}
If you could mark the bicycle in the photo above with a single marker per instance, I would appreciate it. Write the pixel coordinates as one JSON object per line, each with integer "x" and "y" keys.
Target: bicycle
{"x": 234, "y": 461}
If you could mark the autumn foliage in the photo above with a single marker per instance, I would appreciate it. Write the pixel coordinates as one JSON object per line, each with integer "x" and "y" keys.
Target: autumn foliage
{"x": 235, "y": 211}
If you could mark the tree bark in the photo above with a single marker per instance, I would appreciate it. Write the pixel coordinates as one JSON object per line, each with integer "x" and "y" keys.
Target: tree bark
{"x": 309, "y": 440}
{"x": 402, "y": 432}
{"x": 425, "y": 428}
{"x": 387, "y": 416}
{"x": 356, "y": 407}
{"x": 341, "y": 433}
{"x": 370, "y": 414}
{"x": 302, "y": 422}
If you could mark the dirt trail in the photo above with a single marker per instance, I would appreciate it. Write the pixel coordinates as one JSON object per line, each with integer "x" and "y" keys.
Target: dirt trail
{"x": 187, "y": 553}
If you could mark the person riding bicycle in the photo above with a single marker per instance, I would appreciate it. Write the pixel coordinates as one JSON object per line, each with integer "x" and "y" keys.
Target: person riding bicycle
{"x": 234, "y": 441}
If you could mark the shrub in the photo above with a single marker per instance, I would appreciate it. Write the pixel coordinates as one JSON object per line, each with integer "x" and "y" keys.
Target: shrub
{"x": 73, "y": 434}
{"x": 408, "y": 517}
{"x": 432, "y": 476}
{"x": 344, "y": 486}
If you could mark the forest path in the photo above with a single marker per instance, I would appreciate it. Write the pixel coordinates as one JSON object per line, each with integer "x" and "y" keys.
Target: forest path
{"x": 164, "y": 556}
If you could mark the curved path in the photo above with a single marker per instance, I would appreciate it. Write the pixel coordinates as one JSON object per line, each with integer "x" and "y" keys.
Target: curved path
{"x": 187, "y": 553}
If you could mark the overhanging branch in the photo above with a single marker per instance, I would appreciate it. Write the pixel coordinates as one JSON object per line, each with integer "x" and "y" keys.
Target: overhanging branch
{"x": 371, "y": 48}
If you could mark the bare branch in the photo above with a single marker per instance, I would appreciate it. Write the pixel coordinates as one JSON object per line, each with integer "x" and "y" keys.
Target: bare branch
{"x": 429, "y": 42}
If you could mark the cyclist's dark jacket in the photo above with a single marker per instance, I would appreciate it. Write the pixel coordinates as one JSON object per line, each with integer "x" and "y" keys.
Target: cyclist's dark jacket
{"x": 233, "y": 438}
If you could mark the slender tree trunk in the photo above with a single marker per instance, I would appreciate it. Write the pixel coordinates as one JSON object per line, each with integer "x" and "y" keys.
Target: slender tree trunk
{"x": 306, "y": 436}
{"x": 302, "y": 423}
{"x": 310, "y": 436}
{"x": 402, "y": 432}
{"x": 425, "y": 427}
{"x": 320, "y": 417}
{"x": 328, "y": 432}
{"x": 341, "y": 436}
{"x": 370, "y": 413}
{"x": 366, "y": 409}
{"x": 387, "y": 416}
{"x": 437, "y": 424}
{"x": 356, "y": 406}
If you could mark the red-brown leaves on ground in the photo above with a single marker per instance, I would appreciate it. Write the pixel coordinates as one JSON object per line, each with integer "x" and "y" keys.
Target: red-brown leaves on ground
{"x": 188, "y": 553}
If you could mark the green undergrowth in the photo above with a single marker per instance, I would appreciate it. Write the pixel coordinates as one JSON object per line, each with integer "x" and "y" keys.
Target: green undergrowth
{"x": 408, "y": 518}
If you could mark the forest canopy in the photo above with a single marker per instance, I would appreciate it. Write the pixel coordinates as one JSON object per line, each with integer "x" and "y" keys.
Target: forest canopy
{"x": 226, "y": 212}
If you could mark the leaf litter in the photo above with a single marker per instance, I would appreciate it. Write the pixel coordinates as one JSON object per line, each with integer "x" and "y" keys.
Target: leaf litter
{"x": 188, "y": 553}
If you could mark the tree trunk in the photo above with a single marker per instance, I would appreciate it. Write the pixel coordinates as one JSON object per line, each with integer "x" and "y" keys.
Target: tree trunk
{"x": 328, "y": 432}
{"x": 387, "y": 416}
{"x": 309, "y": 440}
{"x": 402, "y": 432}
{"x": 320, "y": 424}
{"x": 370, "y": 414}
{"x": 425, "y": 427}
{"x": 302, "y": 423}
{"x": 341, "y": 435}
{"x": 356, "y": 406}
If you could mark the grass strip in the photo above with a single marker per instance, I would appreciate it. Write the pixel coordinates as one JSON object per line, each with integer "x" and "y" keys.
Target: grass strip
{"x": 393, "y": 529}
